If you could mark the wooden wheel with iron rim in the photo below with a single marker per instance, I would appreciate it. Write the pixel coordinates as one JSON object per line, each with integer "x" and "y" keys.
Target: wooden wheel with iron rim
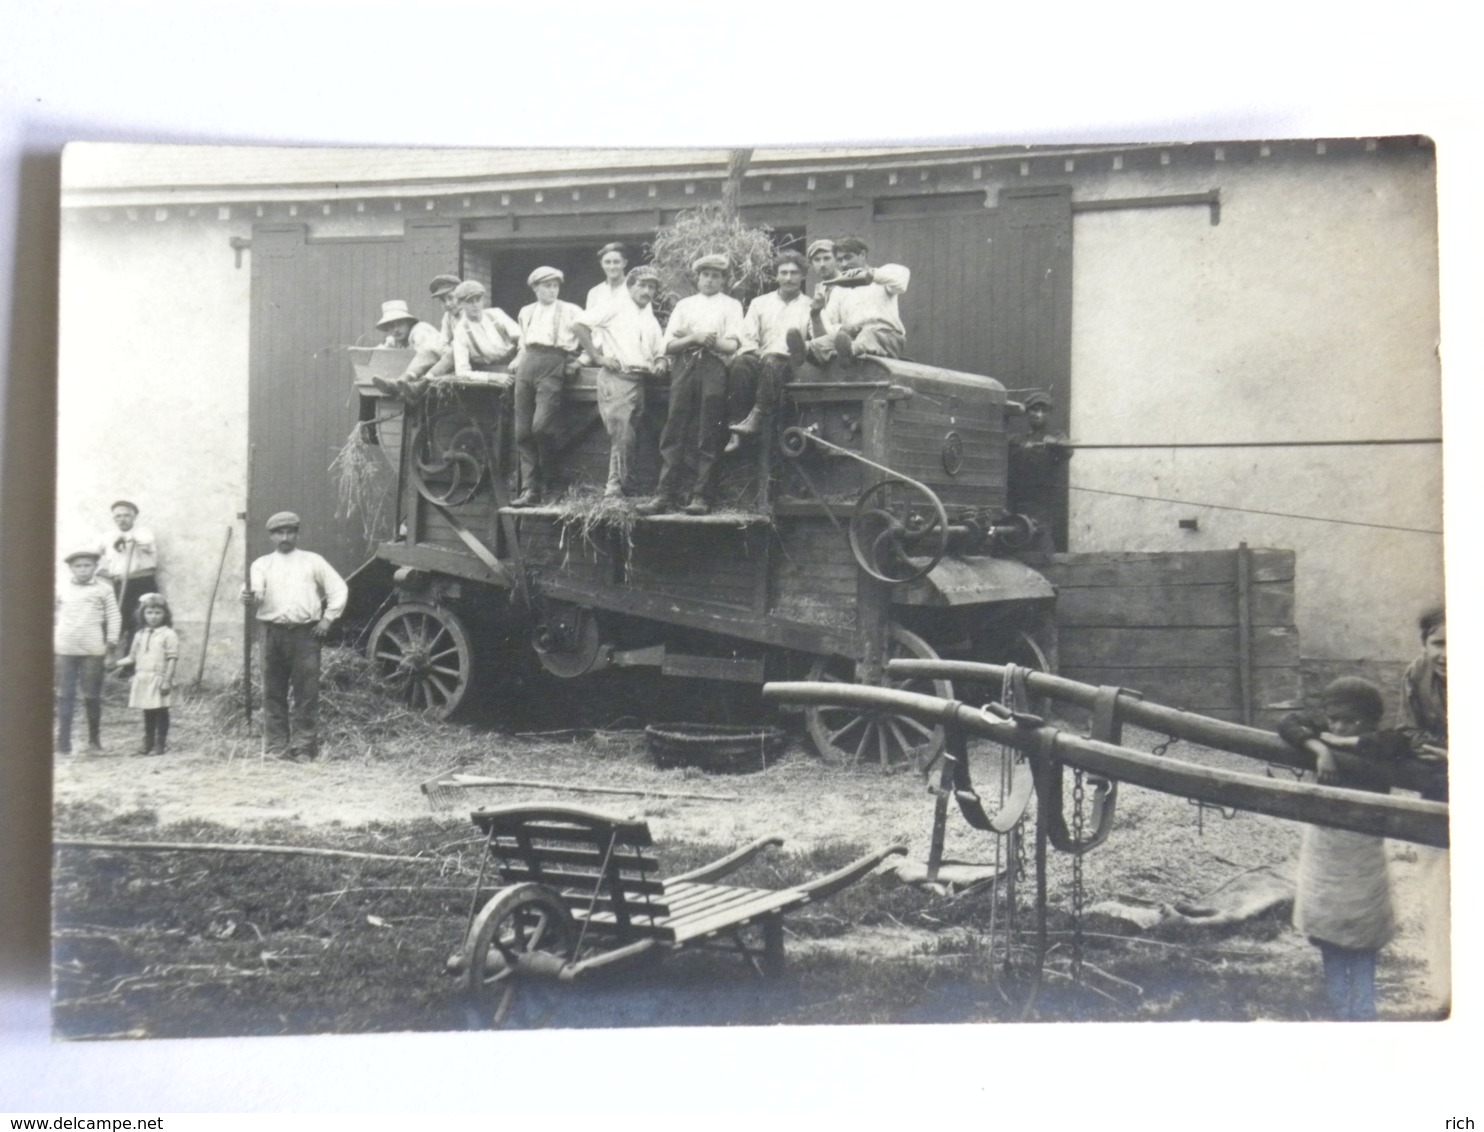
{"x": 423, "y": 651}
{"x": 850, "y": 734}
{"x": 524, "y": 931}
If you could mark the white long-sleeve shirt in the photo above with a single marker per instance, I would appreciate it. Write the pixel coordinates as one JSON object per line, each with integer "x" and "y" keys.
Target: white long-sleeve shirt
{"x": 628, "y": 333}
{"x": 851, "y": 307}
{"x": 605, "y": 293}
{"x": 485, "y": 342}
{"x": 550, "y": 324}
{"x": 704, "y": 314}
{"x": 297, "y": 588}
{"x": 116, "y": 556}
{"x": 769, "y": 319}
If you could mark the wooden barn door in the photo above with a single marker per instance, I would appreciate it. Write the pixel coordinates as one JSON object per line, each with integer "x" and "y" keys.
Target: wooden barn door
{"x": 311, "y": 299}
{"x": 946, "y": 242}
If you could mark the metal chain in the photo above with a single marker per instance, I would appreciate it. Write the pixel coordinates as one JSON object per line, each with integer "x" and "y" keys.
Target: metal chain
{"x": 1077, "y": 893}
{"x": 1163, "y": 749}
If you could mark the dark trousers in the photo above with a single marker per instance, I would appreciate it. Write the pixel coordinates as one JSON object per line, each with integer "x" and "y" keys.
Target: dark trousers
{"x": 156, "y": 728}
{"x": 1349, "y": 982}
{"x": 697, "y": 422}
{"x": 135, "y": 588}
{"x": 291, "y": 665}
{"x": 538, "y": 395}
{"x": 755, "y": 381}
{"x": 74, "y": 674}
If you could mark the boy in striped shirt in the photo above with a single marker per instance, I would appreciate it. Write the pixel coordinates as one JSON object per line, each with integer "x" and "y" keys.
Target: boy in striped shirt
{"x": 87, "y": 634}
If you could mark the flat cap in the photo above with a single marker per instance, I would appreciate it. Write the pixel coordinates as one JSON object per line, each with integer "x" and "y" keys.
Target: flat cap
{"x": 619, "y": 248}
{"x": 1039, "y": 397}
{"x": 852, "y": 244}
{"x": 442, "y": 285}
{"x": 820, "y": 246}
{"x": 638, "y": 274}
{"x": 543, "y": 274}
{"x": 715, "y": 262}
{"x": 283, "y": 519}
{"x": 468, "y": 289}
{"x": 394, "y": 310}
{"x": 153, "y": 599}
{"x": 83, "y": 552}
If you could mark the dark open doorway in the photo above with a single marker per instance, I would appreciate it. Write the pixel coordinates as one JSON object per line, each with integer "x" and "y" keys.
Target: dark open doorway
{"x": 504, "y": 265}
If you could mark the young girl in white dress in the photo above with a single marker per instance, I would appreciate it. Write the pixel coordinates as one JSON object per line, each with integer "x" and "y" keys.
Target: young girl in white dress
{"x": 152, "y": 658}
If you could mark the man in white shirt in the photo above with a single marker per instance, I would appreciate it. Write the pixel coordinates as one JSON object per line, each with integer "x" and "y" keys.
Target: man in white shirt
{"x": 298, "y": 596}
{"x": 548, "y": 352}
{"x": 433, "y": 358}
{"x": 485, "y": 338}
{"x": 861, "y": 316}
{"x": 777, "y": 324}
{"x": 128, "y": 563}
{"x": 704, "y": 331}
{"x": 404, "y": 330}
{"x": 626, "y": 340}
{"x": 615, "y": 286}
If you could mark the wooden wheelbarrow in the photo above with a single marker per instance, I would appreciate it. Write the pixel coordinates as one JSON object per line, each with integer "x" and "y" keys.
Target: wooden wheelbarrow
{"x": 581, "y": 891}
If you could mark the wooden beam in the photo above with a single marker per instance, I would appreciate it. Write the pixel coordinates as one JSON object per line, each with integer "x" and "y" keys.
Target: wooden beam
{"x": 1381, "y": 815}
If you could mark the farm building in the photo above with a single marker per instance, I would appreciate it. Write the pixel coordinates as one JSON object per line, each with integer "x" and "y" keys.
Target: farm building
{"x": 1242, "y": 338}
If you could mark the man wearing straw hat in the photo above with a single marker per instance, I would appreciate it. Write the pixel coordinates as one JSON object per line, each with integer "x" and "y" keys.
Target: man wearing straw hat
{"x": 548, "y": 350}
{"x": 433, "y": 358}
{"x": 405, "y": 331}
{"x": 704, "y": 331}
{"x": 298, "y": 596}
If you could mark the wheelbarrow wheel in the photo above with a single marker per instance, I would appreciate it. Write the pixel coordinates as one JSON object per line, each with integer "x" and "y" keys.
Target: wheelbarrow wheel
{"x": 850, "y": 734}
{"x": 423, "y": 651}
{"x": 523, "y": 932}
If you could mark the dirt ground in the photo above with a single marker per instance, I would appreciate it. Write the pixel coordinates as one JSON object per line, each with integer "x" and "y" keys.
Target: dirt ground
{"x": 1162, "y": 850}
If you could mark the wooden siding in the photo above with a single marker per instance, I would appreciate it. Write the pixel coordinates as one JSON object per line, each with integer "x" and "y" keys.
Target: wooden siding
{"x": 945, "y": 308}
{"x": 1170, "y": 626}
{"x": 310, "y": 299}
{"x": 713, "y": 565}
{"x": 814, "y": 576}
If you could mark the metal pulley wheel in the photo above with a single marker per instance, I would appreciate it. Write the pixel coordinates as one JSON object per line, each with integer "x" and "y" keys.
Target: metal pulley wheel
{"x": 893, "y": 540}
{"x": 566, "y": 640}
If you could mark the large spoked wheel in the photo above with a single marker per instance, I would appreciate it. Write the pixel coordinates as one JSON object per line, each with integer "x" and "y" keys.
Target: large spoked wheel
{"x": 850, "y": 734}
{"x": 523, "y": 932}
{"x": 898, "y": 531}
{"x": 423, "y": 651}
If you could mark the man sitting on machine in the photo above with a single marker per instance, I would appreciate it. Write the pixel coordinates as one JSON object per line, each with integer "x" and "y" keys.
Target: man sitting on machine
{"x": 861, "y": 316}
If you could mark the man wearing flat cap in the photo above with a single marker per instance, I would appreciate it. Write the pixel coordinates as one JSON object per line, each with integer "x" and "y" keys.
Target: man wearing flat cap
{"x": 485, "y": 338}
{"x": 861, "y": 316}
{"x": 548, "y": 352}
{"x": 1037, "y": 485}
{"x": 434, "y": 356}
{"x": 626, "y": 340}
{"x": 705, "y": 330}
{"x": 129, "y": 562}
{"x": 777, "y": 324}
{"x": 84, "y": 644}
{"x": 298, "y": 596}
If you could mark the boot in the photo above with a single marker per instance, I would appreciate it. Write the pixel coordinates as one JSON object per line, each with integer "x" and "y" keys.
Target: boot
{"x": 531, "y": 497}
{"x": 659, "y": 505}
{"x": 844, "y": 348}
{"x": 64, "y": 726}
{"x": 162, "y": 732}
{"x": 94, "y": 709}
{"x": 698, "y": 506}
{"x": 149, "y": 734}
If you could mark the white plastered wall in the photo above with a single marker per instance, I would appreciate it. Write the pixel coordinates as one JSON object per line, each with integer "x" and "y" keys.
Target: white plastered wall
{"x": 1310, "y": 312}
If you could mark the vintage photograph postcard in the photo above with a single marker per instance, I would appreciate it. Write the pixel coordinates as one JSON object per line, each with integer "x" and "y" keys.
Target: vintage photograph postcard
{"x": 555, "y": 589}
